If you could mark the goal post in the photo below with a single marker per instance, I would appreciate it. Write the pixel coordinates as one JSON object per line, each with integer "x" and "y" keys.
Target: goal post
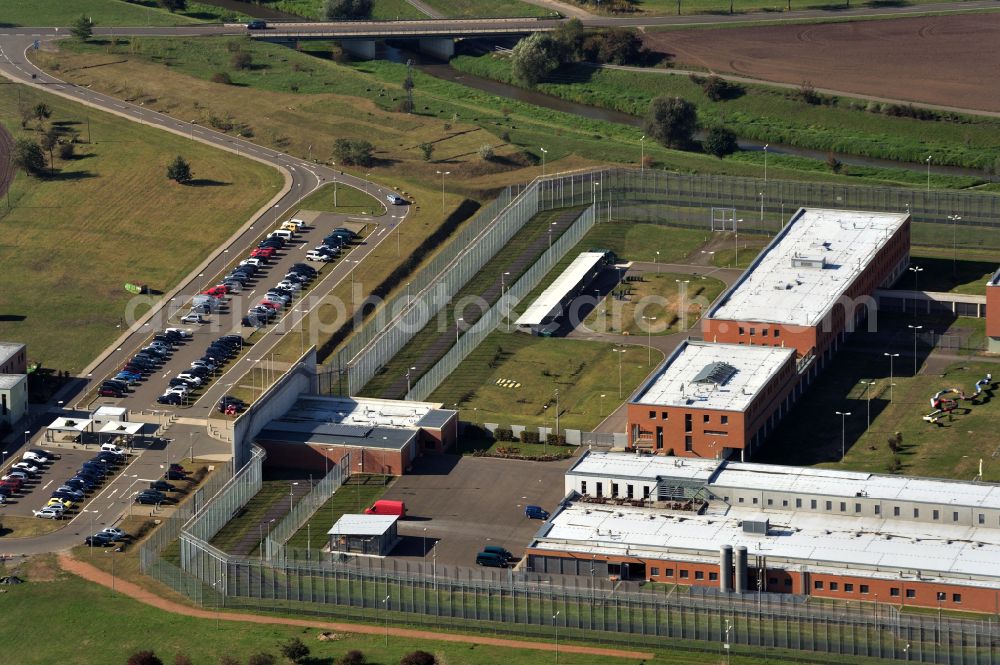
{"x": 723, "y": 219}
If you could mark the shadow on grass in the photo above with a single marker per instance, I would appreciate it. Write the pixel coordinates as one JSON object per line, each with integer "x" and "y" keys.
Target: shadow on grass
{"x": 12, "y": 317}
{"x": 206, "y": 182}
{"x": 64, "y": 176}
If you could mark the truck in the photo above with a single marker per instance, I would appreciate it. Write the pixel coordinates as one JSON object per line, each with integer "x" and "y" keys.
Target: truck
{"x": 385, "y": 507}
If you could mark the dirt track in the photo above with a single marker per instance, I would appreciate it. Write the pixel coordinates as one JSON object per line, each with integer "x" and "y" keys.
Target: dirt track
{"x": 92, "y": 574}
{"x": 6, "y": 165}
{"x": 947, "y": 60}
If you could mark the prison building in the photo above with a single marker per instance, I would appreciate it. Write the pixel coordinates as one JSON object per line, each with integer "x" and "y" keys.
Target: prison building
{"x": 381, "y": 436}
{"x": 744, "y": 527}
{"x": 813, "y": 283}
{"x": 542, "y": 316}
{"x": 993, "y": 313}
{"x": 712, "y": 400}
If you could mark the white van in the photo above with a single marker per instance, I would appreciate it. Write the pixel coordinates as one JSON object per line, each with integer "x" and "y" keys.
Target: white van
{"x": 280, "y": 233}
{"x": 112, "y": 448}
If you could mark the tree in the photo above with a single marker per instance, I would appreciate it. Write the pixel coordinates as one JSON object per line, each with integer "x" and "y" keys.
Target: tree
{"x": 347, "y": 9}
{"x": 174, "y": 5}
{"x": 671, "y": 121}
{"x": 262, "y": 658}
{"x": 295, "y": 650}
{"x": 82, "y": 28}
{"x": 569, "y": 36}
{"x": 352, "y": 657}
{"x": 418, "y": 658}
{"x": 144, "y": 658}
{"x": 28, "y": 157}
{"x": 179, "y": 170}
{"x": 486, "y": 152}
{"x": 617, "y": 46}
{"x": 67, "y": 151}
{"x": 534, "y": 57}
{"x": 720, "y": 141}
{"x": 41, "y": 112}
{"x": 242, "y": 60}
{"x": 354, "y": 152}
{"x": 427, "y": 150}
{"x": 49, "y": 141}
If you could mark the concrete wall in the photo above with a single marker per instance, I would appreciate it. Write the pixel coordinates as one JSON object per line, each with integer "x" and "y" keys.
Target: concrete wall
{"x": 993, "y": 312}
{"x": 319, "y": 458}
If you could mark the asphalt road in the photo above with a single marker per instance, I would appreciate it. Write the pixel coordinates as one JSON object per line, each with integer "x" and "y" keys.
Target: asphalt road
{"x": 302, "y": 178}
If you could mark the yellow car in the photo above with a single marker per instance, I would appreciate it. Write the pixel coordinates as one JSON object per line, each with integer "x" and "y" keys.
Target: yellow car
{"x": 64, "y": 503}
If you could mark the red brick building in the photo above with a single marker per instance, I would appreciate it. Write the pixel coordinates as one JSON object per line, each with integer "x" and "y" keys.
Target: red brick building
{"x": 712, "y": 400}
{"x": 993, "y": 313}
{"x": 810, "y": 531}
{"x": 813, "y": 283}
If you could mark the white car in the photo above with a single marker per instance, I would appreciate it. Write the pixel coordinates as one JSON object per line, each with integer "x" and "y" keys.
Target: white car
{"x": 183, "y": 332}
{"x": 113, "y": 531}
{"x": 26, "y": 466}
{"x": 17, "y": 473}
{"x": 191, "y": 378}
{"x": 322, "y": 258}
{"x": 256, "y": 263}
{"x": 50, "y": 513}
{"x": 299, "y": 224}
{"x": 289, "y": 285}
{"x": 178, "y": 390}
{"x": 193, "y": 317}
{"x": 38, "y": 458}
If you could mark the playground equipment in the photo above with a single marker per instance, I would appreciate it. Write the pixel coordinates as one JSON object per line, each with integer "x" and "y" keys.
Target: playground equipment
{"x": 943, "y": 406}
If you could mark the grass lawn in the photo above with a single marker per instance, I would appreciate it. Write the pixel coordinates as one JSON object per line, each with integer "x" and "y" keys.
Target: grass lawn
{"x": 348, "y": 201}
{"x": 771, "y": 114}
{"x": 581, "y": 371}
{"x": 950, "y": 449}
{"x": 27, "y": 527}
{"x": 675, "y": 300}
{"x": 359, "y": 492}
{"x": 107, "y": 217}
{"x": 273, "y": 497}
{"x": 106, "y": 13}
{"x": 527, "y": 245}
{"x": 634, "y": 241}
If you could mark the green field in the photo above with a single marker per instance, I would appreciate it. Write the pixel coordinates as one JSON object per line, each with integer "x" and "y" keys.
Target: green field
{"x": 107, "y": 217}
{"x": 106, "y": 13}
{"x": 771, "y": 114}
{"x": 359, "y": 492}
{"x": 534, "y": 229}
{"x": 581, "y": 371}
{"x": 349, "y": 201}
{"x": 662, "y": 303}
{"x": 274, "y": 497}
{"x": 669, "y": 7}
{"x": 811, "y": 434}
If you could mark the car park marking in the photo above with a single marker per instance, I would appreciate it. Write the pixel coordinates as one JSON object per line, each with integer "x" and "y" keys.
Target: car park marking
{"x": 46, "y": 485}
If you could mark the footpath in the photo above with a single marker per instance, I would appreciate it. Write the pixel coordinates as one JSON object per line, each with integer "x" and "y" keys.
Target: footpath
{"x": 92, "y": 574}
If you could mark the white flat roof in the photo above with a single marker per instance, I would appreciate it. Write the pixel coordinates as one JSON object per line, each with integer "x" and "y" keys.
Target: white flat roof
{"x": 956, "y": 551}
{"x": 790, "y": 479}
{"x": 71, "y": 424}
{"x": 111, "y": 411}
{"x": 121, "y": 427}
{"x": 359, "y": 411}
{"x": 557, "y": 290}
{"x": 775, "y": 291}
{"x": 362, "y": 525}
{"x": 743, "y": 370}
{"x": 9, "y": 381}
{"x": 8, "y": 349}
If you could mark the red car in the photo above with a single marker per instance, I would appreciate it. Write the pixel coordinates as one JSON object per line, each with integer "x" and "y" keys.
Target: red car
{"x": 270, "y": 305}
{"x": 218, "y": 291}
{"x": 13, "y": 484}
{"x": 262, "y": 253}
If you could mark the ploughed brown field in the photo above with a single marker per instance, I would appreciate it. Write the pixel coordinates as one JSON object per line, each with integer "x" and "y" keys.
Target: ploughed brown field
{"x": 946, "y": 60}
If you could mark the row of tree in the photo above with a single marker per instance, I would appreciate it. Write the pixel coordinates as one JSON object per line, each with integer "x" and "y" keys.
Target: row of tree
{"x": 538, "y": 55}
{"x": 672, "y": 122}
{"x": 294, "y": 651}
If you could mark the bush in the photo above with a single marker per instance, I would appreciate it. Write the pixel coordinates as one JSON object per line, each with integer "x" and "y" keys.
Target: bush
{"x": 262, "y": 658}
{"x": 82, "y": 28}
{"x": 352, "y": 657}
{"x": 833, "y": 163}
{"x": 720, "y": 142}
{"x": 349, "y": 9}
{"x": 179, "y": 170}
{"x": 295, "y": 650}
{"x": 28, "y": 157}
{"x": 671, "y": 121}
{"x": 555, "y": 439}
{"x": 807, "y": 93}
{"x": 242, "y": 60}
{"x": 427, "y": 150}
{"x": 418, "y": 658}
{"x": 222, "y": 77}
{"x": 617, "y": 46}
{"x": 534, "y": 57}
{"x": 530, "y": 437}
{"x": 486, "y": 152}
{"x": 143, "y": 658}
{"x": 174, "y": 5}
{"x": 718, "y": 89}
{"x": 503, "y": 434}
{"x": 354, "y": 152}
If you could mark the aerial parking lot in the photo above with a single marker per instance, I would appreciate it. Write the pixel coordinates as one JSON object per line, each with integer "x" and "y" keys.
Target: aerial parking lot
{"x": 461, "y": 504}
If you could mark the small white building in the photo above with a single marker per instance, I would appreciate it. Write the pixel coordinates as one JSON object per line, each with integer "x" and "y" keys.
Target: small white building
{"x": 373, "y": 535}
{"x": 13, "y": 398}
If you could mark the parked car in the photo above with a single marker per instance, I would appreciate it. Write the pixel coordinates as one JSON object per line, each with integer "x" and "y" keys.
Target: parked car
{"x": 32, "y": 456}
{"x": 491, "y": 560}
{"x": 194, "y": 317}
{"x": 150, "y": 497}
{"x": 71, "y": 492}
{"x": 322, "y": 258}
{"x": 162, "y": 486}
{"x": 27, "y": 467}
{"x": 175, "y": 474}
{"x": 170, "y": 398}
{"x": 99, "y": 540}
{"x": 536, "y": 513}
{"x": 190, "y": 379}
{"x": 48, "y": 454}
{"x": 182, "y": 333}
{"x": 113, "y": 449}
{"x": 48, "y": 513}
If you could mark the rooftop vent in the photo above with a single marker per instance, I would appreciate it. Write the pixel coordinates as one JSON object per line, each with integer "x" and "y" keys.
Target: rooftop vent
{"x": 808, "y": 261}
{"x": 758, "y": 527}
{"x": 718, "y": 373}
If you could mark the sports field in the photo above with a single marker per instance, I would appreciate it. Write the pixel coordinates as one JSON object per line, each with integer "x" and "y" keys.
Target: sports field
{"x": 109, "y": 215}
{"x": 839, "y": 56}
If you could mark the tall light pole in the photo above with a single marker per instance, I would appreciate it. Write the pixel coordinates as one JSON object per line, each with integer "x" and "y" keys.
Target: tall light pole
{"x": 682, "y": 300}
{"x": 736, "y": 233}
{"x": 620, "y": 352}
{"x": 766, "y": 146}
{"x": 656, "y": 261}
{"x": 291, "y": 496}
{"x": 458, "y": 327}
{"x": 408, "y": 379}
{"x": 916, "y": 270}
{"x": 550, "y": 232}
{"x": 868, "y": 399}
{"x": 443, "y": 174}
{"x": 503, "y": 285}
{"x": 954, "y": 243}
{"x": 891, "y": 384}
{"x": 915, "y": 329}
{"x": 555, "y": 625}
{"x": 544, "y": 153}
{"x": 557, "y": 412}
{"x": 385, "y": 602}
{"x": 649, "y": 339}
{"x": 642, "y": 153}
{"x": 928, "y": 160}
{"x": 843, "y": 432}
{"x": 602, "y": 405}
{"x": 334, "y": 186}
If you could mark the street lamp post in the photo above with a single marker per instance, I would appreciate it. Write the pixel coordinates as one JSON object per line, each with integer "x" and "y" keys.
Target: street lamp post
{"x": 954, "y": 243}
{"x": 928, "y": 160}
{"x": 843, "y": 432}
{"x": 550, "y": 233}
{"x": 443, "y": 174}
{"x": 915, "y": 330}
{"x": 916, "y": 270}
{"x": 408, "y": 379}
{"x": 385, "y": 602}
{"x": 291, "y": 496}
{"x": 555, "y": 626}
{"x": 544, "y": 153}
{"x": 557, "y": 412}
{"x": 868, "y": 399}
{"x": 766, "y": 146}
{"x": 458, "y": 327}
{"x": 656, "y": 260}
{"x": 891, "y": 384}
{"x": 736, "y": 233}
{"x": 620, "y": 353}
{"x": 503, "y": 285}
{"x": 649, "y": 339}
{"x": 602, "y": 405}
{"x": 642, "y": 153}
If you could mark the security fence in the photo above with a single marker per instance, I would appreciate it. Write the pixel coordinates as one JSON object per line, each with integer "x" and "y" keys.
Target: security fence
{"x": 474, "y": 336}
{"x": 307, "y": 507}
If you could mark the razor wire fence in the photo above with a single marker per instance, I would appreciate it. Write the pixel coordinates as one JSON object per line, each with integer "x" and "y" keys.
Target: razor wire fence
{"x": 475, "y": 335}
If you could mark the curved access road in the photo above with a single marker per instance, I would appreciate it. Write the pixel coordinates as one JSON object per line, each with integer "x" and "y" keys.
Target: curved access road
{"x": 301, "y": 178}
